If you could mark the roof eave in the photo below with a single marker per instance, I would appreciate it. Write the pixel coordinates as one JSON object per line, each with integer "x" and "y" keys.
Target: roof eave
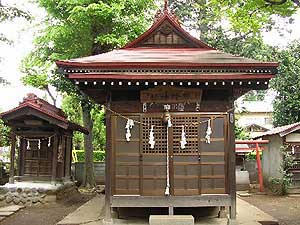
{"x": 66, "y": 64}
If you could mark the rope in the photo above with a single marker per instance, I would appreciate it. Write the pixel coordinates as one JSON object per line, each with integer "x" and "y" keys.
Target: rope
{"x": 167, "y": 191}
{"x": 158, "y": 126}
{"x": 35, "y": 139}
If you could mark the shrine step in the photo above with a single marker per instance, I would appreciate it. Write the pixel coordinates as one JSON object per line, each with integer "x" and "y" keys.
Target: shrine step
{"x": 171, "y": 220}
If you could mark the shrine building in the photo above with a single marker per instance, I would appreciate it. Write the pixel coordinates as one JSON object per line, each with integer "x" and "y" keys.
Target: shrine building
{"x": 169, "y": 101}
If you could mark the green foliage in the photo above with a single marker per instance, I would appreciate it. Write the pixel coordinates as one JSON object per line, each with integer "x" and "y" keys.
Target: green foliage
{"x": 287, "y": 86}
{"x": 72, "y": 108}
{"x": 4, "y": 134}
{"x": 76, "y": 29}
{"x": 255, "y": 95}
{"x": 281, "y": 185}
{"x": 99, "y": 129}
{"x": 252, "y": 155}
{"x": 241, "y": 17}
{"x": 99, "y": 156}
{"x": 240, "y": 133}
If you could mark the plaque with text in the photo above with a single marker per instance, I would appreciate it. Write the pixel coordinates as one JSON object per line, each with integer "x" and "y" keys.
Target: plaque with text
{"x": 171, "y": 95}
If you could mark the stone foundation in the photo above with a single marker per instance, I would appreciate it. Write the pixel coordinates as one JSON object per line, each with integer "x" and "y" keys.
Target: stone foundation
{"x": 26, "y": 193}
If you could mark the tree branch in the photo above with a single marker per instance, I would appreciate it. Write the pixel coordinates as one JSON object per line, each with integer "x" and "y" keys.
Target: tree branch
{"x": 51, "y": 95}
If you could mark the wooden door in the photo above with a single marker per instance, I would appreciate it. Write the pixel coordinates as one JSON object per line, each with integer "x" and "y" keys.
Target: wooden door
{"x": 199, "y": 168}
{"x": 38, "y": 160}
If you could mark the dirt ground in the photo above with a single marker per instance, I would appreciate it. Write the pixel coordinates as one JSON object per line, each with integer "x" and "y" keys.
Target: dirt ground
{"x": 46, "y": 214}
{"x": 284, "y": 208}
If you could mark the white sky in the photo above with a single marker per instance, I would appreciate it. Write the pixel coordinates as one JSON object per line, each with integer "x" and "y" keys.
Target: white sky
{"x": 22, "y": 32}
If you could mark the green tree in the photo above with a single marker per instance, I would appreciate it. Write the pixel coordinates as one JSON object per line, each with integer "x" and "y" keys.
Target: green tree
{"x": 71, "y": 107}
{"x": 244, "y": 17}
{"x": 81, "y": 28}
{"x": 4, "y": 134}
{"x": 287, "y": 86}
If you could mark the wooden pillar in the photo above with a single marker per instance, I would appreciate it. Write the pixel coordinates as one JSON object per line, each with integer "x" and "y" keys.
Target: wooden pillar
{"x": 108, "y": 175}
{"x": 22, "y": 156}
{"x": 54, "y": 159}
{"x": 12, "y": 158}
{"x": 231, "y": 168}
{"x": 19, "y": 164}
{"x": 68, "y": 158}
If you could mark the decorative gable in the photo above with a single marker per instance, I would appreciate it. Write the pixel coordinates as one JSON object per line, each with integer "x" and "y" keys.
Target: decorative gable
{"x": 166, "y": 32}
{"x": 165, "y": 35}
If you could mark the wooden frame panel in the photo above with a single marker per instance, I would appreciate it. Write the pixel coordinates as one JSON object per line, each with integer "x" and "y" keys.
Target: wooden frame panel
{"x": 137, "y": 183}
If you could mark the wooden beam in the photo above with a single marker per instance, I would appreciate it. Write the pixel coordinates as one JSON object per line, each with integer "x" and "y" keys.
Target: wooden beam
{"x": 231, "y": 165}
{"x": 23, "y": 155}
{"x": 171, "y": 201}
{"x": 108, "y": 163}
{"x": 12, "y": 157}
{"x": 54, "y": 159}
{"x": 68, "y": 158}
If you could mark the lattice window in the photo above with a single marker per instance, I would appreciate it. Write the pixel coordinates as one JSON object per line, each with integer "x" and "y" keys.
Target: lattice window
{"x": 191, "y": 133}
{"x": 160, "y": 135}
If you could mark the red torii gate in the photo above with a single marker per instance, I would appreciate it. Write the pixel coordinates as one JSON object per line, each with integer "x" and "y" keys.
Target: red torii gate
{"x": 257, "y": 148}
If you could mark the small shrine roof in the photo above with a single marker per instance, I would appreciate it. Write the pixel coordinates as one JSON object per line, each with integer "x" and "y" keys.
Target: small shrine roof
{"x": 32, "y": 102}
{"x": 282, "y": 131}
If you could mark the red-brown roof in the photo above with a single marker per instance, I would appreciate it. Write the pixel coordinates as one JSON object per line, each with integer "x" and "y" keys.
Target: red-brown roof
{"x": 42, "y": 106}
{"x": 282, "y": 131}
{"x": 164, "y": 57}
{"x": 166, "y": 45}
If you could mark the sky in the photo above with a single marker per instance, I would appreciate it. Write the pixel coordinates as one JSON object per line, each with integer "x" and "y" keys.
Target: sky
{"x": 22, "y": 32}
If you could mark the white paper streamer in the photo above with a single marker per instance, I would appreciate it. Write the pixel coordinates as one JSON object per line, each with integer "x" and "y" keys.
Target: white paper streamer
{"x": 128, "y": 127}
{"x": 183, "y": 141}
{"x": 49, "y": 141}
{"x": 169, "y": 122}
{"x": 151, "y": 138}
{"x": 208, "y": 133}
{"x": 39, "y": 144}
{"x": 28, "y": 145}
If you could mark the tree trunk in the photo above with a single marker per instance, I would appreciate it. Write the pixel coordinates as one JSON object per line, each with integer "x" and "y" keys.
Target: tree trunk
{"x": 89, "y": 176}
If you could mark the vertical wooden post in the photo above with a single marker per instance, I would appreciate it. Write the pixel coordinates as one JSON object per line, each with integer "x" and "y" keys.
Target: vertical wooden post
{"x": 68, "y": 158}
{"x": 19, "y": 164}
{"x": 260, "y": 177}
{"x": 231, "y": 172}
{"x": 54, "y": 159}
{"x": 12, "y": 157}
{"x": 108, "y": 151}
{"x": 23, "y": 154}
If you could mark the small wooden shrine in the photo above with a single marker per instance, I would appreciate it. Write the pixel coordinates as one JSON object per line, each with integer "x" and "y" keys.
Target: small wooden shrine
{"x": 42, "y": 136}
{"x": 169, "y": 116}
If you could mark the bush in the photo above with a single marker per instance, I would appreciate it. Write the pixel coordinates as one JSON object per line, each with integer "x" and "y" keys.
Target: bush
{"x": 281, "y": 185}
{"x": 99, "y": 156}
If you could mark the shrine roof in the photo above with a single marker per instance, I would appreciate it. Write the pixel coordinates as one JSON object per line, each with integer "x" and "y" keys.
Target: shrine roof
{"x": 166, "y": 45}
{"x": 32, "y": 102}
{"x": 164, "y": 57}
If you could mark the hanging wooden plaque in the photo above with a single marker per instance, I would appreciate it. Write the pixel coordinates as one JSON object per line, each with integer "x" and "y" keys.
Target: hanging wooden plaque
{"x": 166, "y": 94}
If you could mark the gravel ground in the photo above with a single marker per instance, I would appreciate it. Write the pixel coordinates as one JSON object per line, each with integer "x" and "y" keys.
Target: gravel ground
{"x": 46, "y": 214}
{"x": 284, "y": 208}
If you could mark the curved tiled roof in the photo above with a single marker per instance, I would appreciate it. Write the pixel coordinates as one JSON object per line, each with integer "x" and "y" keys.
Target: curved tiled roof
{"x": 282, "y": 131}
{"x": 42, "y": 106}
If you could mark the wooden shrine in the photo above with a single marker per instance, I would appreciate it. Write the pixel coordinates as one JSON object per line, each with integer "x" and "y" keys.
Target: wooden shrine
{"x": 169, "y": 116}
{"x": 42, "y": 137}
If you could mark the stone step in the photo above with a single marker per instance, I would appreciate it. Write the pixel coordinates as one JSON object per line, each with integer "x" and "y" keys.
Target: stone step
{"x": 171, "y": 220}
{"x": 11, "y": 208}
